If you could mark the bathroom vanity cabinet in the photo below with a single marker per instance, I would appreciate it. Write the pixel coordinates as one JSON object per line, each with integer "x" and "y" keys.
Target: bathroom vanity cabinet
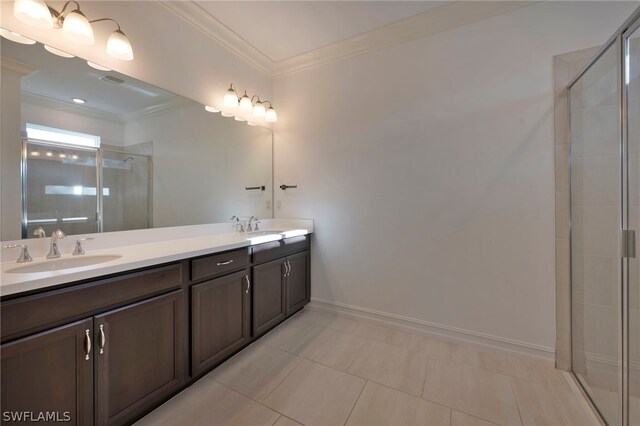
{"x": 108, "y": 350}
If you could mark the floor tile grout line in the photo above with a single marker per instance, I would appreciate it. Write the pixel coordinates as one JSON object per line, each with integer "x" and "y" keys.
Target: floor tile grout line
{"x": 355, "y": 403}
{"x": 515, "y": 399}
{"x": 280, "y": 382}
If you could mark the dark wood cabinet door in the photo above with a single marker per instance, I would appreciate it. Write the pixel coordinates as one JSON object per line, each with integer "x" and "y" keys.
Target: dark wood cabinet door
{"x": 219, "y": 319}
{"x": 138, "y": 357}
{"x": 50, "y": 374}
{"x": 298, "y": 282}
{"x": 268, "y": 296}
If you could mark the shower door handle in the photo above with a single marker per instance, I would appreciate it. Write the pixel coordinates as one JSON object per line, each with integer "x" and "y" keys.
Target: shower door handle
{"x": 629, "y": 243}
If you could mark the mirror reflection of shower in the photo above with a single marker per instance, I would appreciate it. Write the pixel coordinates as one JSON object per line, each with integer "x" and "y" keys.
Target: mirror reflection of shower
{"x": 63, "y": 189}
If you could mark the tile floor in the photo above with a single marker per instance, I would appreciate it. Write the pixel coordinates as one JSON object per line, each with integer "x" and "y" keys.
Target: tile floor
{"x": 321, "y": 369}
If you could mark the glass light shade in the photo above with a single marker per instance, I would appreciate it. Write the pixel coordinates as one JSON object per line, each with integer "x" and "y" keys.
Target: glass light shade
{"x": 119, "y": 47}
{"x": 251, "y": 123}
{"x": 238, "y": 118}
{"x": 209, "y": 108}
{"x": 271, "y": 115}
{"x": 10, "y": 35}
{"x": 245, "y": 103}
{"x": 33, "y": 12}
{"x": 76, "y": 27}
{"x": 58, "y": 51}
{"x": 231, "y": 99}
{"x": 98, "y": 66}
{"x": 259, "y": 110}
{"x": 226, "y": 114}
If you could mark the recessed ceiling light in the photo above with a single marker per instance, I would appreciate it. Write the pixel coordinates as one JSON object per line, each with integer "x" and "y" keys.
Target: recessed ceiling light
{"x": 35, "y": 153}
{"x": 98, "y": 66}
{"x": 58, "y": 52}
{"x": 75, "y": 157}
{"x": 49, "y": 154}
{"x": 78, "y": 100}
{"x": 10, "y": 35}
{"x": 62, "y": 155}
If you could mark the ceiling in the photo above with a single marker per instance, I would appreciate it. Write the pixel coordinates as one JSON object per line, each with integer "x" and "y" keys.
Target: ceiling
{"x": 281, "y": 30}
{"x": 57, "y": 79}
{"x": 283, "y": 37}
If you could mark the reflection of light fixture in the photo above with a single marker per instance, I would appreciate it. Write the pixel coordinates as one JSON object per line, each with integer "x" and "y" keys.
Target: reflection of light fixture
{"x": 209, "y": 108}
{"x": 35, "y": 154}
{"x": 75, "y": 25}
{"x": 75, "y": 157}
{"x": 78, "y": 100}
{"x": 98, "y": 66}
{"x": 33, "y": 12}
{"x": 58, "y": 51}
{"x": 61, "y": 155}
{"x": 10, "y": 35}
{"x": 49, "y": 154}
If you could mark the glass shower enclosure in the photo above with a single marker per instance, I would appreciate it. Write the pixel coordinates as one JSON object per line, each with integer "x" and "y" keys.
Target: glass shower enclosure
{"x": 83, "y": 189}
{"x": 604, "y": 102}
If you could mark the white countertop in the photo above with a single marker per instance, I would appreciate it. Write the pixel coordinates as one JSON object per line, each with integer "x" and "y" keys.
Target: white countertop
{"x": 133, "y": 256}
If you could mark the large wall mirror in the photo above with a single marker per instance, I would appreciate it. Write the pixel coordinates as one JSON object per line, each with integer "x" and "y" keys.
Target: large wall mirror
{"x": 93, "y": 150}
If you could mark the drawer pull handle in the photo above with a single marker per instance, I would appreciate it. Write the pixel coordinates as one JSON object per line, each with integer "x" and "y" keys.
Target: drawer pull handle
{"x": 87, "y": 344}
{"x": 246, "y": 277}
{"x": 228, "y": 262}
{"x": 103, "y": 339}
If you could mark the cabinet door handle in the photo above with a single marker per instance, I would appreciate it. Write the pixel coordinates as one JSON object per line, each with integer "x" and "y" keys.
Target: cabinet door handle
{"x": 246, "y": 277}
{"x": 228, "y": 262}
{"x": 87, "y": 344}
{"x": 286, "y": 269}
{"x": 103, "y": 339}
{"x": 289, "y": 265}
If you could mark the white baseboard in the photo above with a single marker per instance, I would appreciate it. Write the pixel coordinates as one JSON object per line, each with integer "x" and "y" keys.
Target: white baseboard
{"x": 453, "y": 334}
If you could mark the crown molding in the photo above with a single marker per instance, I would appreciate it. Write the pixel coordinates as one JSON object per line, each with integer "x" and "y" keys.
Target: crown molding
{"x": 58, "y": 105}
{"x": 198, "y": 18}
{"x": 11, "y": 66}
{"x": 174, "y": 102}
{"x": 443, "y": 18}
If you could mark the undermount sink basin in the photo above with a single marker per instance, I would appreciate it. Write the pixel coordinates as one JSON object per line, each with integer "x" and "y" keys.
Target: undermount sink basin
{"x": 63, "y": 263}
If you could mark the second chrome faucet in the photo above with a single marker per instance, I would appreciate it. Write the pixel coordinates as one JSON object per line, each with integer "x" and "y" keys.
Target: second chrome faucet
{"x": 53, "y": 248}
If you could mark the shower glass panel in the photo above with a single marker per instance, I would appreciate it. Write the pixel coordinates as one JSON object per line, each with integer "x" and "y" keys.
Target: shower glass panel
{"x": 596, "y": 214}
{"x": 126, "y": 180}
{"x": 632, "y": 101}
{"x": 59, "y": 188}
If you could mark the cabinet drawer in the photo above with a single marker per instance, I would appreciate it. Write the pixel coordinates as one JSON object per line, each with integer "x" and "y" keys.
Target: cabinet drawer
{"x": 49, "y": 309}
{"x": 276, "y": 249}
{"x": 218, "y": 264}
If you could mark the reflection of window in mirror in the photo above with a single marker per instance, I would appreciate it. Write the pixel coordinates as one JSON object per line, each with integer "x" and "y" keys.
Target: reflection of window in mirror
{"x": 72, "y": 183}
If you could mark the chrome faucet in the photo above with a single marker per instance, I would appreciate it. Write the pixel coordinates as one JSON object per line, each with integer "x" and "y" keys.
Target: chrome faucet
{"x": 24, "y": 252}
{"x": 239, "y": 226}
{"x": 53, "y": 250}
{"x": 39, "y": 232}
{"x": 251, "y": 219}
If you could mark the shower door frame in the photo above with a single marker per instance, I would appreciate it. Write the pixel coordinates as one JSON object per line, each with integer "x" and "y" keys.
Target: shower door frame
{"x": 620, "y": 36}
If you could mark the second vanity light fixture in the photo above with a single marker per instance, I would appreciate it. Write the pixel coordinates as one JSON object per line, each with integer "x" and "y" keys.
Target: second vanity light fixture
{"x": 245, "y": 108}
{"x": 74, "y": 24}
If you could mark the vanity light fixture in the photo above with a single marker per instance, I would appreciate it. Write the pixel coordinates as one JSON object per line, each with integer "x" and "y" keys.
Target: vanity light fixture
{"x": 10, "y": 35}
{"x": 58, "y": 52}
{"x": 209, "y": 108}
{"x": 78, "y": 100}
{"x": 244, "y": 107}
{"x": 75, "y": 25}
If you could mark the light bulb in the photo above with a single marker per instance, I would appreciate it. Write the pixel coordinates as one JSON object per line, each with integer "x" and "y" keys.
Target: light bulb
{"x": 271, "y": 116}
{"x": 209, "y": 108}
{"x": 245, "y": 102}
{"x": 231, "y": 98}
{"x": 76, "y": 27}
{"x": 58, "y": 51}
{"x": 119, "y": 47}
{"x": 10, "y": 35}
{"x": 33, "y": 12}
{"x": 258, "y": 110}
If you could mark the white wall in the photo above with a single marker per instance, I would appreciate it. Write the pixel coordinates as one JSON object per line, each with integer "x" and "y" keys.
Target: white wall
{"x": 428, "y": 168}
